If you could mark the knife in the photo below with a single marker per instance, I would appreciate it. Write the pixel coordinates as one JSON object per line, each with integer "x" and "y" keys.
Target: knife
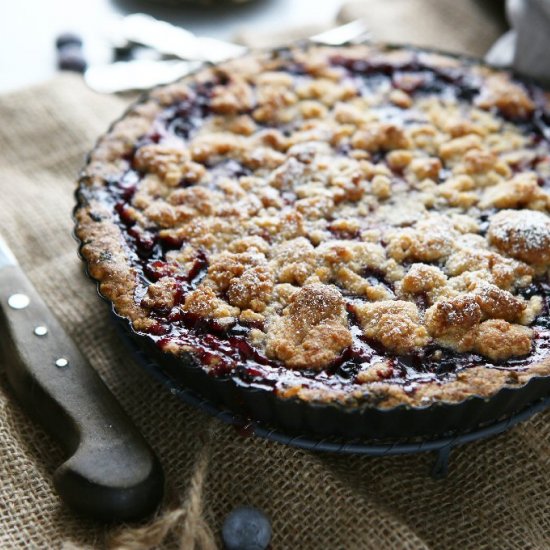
{"x": 111, "y": 473}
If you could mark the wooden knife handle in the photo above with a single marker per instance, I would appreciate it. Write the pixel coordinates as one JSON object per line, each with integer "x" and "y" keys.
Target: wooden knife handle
{"x": 111, "y": 473}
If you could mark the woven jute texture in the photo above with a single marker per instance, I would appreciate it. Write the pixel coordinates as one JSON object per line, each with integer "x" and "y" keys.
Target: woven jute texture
{"x": 464, "y": 26}
{"x": 496, "y": 496}
{"x": 459, "y": 26}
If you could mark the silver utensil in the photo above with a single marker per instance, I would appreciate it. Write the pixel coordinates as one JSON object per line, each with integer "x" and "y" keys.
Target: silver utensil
{"x": 137, "y": 74}
{"x": 354, "y": 31}
{"x": 190, "y": 50}
{"x": 168, "y": 39}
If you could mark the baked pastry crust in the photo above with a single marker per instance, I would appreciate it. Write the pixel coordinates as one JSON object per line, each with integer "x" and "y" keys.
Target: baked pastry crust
{"x": 353, "y": 225}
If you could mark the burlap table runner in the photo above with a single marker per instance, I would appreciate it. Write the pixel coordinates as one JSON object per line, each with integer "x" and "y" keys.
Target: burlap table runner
{"x": 459, "y": 26}
{"x": 497, "y": 493}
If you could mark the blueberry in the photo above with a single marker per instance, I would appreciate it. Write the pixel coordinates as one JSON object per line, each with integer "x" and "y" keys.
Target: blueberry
{"x": 71, "y": 59}
{"x": 68, "y": 39}
{"x": 246, "y": 528}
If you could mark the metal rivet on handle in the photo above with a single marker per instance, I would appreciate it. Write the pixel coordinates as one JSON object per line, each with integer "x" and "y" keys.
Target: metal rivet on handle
{"x": 61, "y": 363}
{"x": 40, "y": 330}
{"x": 18, "y": 301}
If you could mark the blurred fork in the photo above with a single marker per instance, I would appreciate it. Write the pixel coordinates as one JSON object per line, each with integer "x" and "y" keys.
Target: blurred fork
{"x": 353, "y": 32}
{"x": 191, "y": 52}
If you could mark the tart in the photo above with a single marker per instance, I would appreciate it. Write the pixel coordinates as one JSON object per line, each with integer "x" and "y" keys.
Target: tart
{"x": 359, "y": 226}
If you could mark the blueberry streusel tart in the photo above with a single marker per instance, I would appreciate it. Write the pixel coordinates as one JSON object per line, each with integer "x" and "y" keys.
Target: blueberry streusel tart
{"x": 353, "y": 225}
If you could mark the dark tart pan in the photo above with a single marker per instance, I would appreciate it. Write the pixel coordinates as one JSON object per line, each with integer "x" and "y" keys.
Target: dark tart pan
{"x": 441, "y": 444}
{"x": 296, "y": 417}
{"x": 319, "y": 420}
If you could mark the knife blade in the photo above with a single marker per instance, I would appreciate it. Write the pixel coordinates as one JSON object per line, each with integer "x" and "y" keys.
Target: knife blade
{"x": 354, "y": 31}
{"x": 137, "y": 74}
{"x": 111, "y": 473}
{"x": 6, "y": 255}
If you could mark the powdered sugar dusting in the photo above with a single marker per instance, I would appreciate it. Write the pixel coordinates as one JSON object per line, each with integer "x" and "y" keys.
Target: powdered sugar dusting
{"x": 523, "y": 234}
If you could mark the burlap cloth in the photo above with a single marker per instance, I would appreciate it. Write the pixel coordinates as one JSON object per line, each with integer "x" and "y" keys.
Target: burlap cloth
{"x": 496, "y": 496}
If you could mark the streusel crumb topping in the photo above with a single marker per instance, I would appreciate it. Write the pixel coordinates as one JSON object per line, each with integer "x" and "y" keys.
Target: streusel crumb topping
{"x": 333, "y": 223}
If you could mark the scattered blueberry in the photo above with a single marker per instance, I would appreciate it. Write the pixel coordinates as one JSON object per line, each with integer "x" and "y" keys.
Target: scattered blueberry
{"x": 246, "y": 528}
{"x": 68, "y": 39}
{"x": 69, "y": 53}
{"x": 71, "y": 59}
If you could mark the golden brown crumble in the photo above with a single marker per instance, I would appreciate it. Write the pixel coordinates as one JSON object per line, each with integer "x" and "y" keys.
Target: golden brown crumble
{"x": 312, "y": 330}
{"x": 394, "y": 323}
{"x": 522, "y": 234}
{"x": 498, "y": 339}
